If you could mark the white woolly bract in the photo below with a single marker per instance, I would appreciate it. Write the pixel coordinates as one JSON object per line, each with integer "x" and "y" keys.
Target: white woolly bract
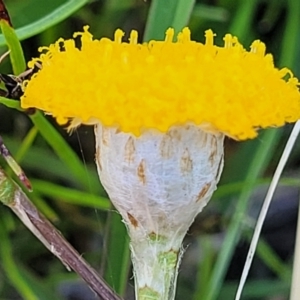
{"x": 158, "y": 182}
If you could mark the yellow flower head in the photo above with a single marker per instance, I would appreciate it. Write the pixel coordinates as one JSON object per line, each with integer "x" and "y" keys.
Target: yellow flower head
{"x": 159, "y": 84}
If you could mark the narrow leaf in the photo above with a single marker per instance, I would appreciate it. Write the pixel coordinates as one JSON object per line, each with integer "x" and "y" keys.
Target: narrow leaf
{"x": 167, "y": 13}
{"x": 11, "y": 39}
{"x": 58, "y": 15}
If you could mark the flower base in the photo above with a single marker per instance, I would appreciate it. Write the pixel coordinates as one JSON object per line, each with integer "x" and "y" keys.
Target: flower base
{"x": 158, "y": 182}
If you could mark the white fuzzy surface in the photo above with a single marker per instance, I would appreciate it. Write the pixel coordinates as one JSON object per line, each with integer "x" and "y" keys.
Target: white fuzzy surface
{"x": 159, "y": 183}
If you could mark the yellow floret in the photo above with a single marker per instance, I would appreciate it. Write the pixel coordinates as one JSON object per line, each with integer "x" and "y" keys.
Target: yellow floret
{"x": 159, "y": 84}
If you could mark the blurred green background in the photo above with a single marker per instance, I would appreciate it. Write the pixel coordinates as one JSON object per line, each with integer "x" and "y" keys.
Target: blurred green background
{"x": 72, "y": 198}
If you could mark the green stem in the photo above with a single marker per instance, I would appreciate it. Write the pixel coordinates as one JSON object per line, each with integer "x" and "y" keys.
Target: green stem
{"x": 155, "y": 264}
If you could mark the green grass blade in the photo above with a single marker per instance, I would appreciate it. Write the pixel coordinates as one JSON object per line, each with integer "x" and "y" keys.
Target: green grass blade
{"x": 14, "y": 46}
{"x": 167, "y": 13}
{"x": 257, "y": 289}
{"x": 26, "y": 144}
{"x": 182, "y": 14}
{"x": 290, "y": 46}
{"x": 259, "y": 162}
{"x": 56, "y": 16}
{"x": 59, "y": 171}
{"x": 7, "y": 194}
{"x": 206, "y": 12}
{"x": 10, "y": 103}
{"x": 242, "y": 21}
{"x": 70, "y": 195}
{"x": 288, "y": 57}
{"x": 267, "y": 201}
{"x": 117, "y": 258}
{"x": 271, "y": 259}
{"x": 61, "y": 147}
{"x": 11, "y": 269}
{"x": 43, "y": 207}
{"x": 13, "y": 162}
{"x": 230, "y": 189}
{"x": 205, "y": 266}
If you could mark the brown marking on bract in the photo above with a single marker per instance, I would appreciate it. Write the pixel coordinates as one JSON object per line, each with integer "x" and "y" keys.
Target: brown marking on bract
{"x": 118, "y": 130}
{"x": 105, "y": 136}
{"x": 200, "y": 139}
{"x": 186, "y": 163}
{"x": 204, "y": 138}
{"x": 141, "y": 171}
{"x": 98, "y": 158}
{"x": 213, "y": 151}
{"x": 166, "y": 146}
{"x": 129, "y": 150}
{"x": 133, "y": 220}
{"x": 174, "y": 134}
{"x": 203, "y": 191}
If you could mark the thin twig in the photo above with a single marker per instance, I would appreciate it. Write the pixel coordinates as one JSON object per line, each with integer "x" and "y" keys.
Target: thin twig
{"x": 284, "y": 157}
{"x": 12, "y": 196}
{"x": 14, "y": 165}
{"x": 295, "y": 289}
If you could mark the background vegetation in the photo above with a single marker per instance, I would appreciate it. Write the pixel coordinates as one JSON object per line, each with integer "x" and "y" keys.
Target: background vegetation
{"x": 66, "y": 186}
